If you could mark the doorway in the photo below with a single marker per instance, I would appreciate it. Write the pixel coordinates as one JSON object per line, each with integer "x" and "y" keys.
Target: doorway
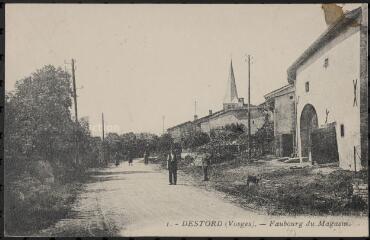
{"x": 308, "y": 123}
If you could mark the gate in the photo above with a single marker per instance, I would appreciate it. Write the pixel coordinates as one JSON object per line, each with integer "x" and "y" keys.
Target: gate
{"x": 324, "y": 145}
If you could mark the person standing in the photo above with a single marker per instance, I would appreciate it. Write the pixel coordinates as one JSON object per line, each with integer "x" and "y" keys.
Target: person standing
{"x": 206, "y": 162}
{"x": 116, "y": 159}
{"x": 172, "y": 167}
{"x": 146, "y": 157}
{"x": 129, "y": 156}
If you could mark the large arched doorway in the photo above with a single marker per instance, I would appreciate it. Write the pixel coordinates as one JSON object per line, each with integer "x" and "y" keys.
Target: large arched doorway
{"x": 308, "y": 122}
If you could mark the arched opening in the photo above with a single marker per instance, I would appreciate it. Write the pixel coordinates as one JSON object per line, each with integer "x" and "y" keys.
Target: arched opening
{"x": 308, "y": 123}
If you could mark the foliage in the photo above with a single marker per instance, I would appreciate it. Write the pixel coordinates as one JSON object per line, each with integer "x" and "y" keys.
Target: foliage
{"x": 195, "y": 139}
{"x": 228, "y": 133}
{"x": 119, "y": 146}
{"x": 40, "y": 148}
{"x": 164, "y": 143}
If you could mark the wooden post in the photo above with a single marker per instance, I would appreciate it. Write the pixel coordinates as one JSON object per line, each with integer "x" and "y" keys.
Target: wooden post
{"x": 76, "y": 115}
{"x": 103, "y": 139}
{"x": 249, "y": 104}
{"x": 354, "y": 158}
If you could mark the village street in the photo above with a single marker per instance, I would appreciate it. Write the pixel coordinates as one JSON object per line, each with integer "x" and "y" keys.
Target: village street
{"x": 137, "y": 201}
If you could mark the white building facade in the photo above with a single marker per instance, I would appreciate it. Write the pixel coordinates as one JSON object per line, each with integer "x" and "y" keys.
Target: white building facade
{"x": 329, "y": 88}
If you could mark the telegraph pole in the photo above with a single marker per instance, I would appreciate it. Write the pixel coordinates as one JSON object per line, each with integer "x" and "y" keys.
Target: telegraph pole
{"x": 195, "y": 107}
{"x": 195, "y": 110}
{"x": 249, "y": 104}
{"x": 102, "y": 145}
{"x": 102, "y": 124}
{"x": 163, "y": 123}
{"x": 74, "y": 89}
{"x": 75, "y": 103}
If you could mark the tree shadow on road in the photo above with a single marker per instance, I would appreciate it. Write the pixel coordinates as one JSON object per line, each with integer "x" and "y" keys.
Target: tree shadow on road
{"x": 121, "y": 172}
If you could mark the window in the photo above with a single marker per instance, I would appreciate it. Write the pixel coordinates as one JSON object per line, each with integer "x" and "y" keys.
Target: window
{"x": 290, "y": 97}
{"x": 326, "y": 63}
{"x": 307, "y": 86}
{"x": 342, "y": 130}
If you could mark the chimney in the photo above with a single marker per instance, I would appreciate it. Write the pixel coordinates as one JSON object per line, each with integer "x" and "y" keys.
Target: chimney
{"x": 195, "y": 117}
{"x": 332, "y": 13}
{"x": 210, "y": 111}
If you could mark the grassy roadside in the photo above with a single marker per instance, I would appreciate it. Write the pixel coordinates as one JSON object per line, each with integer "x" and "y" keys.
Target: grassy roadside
{"x": 284, "y": 190}
{"x": 32, "y": 204}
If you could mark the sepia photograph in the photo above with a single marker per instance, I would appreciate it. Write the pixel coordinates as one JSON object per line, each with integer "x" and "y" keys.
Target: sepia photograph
{"x": 186, "y": 120}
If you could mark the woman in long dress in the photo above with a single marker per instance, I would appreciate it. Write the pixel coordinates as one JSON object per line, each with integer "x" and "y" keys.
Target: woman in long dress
{"x": 130, "y": 160}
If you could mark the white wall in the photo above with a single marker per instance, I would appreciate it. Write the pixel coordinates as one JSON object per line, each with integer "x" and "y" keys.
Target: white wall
{"x": 284, "y": 114}
{"x": 229, "y": 118}
{"x": 332, "y": 89}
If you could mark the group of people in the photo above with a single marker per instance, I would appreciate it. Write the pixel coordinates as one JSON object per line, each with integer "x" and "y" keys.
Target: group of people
{"x": 129, "y": 159}
{"x": 172, "y": 158}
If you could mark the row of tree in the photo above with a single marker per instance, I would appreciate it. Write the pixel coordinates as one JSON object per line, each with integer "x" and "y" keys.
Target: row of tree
{"x": 39, "y": 125}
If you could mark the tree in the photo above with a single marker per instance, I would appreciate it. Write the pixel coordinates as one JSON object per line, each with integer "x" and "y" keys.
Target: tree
{"x": 38, "y": 120}
{"x": 165, "y": 142}
{"x": 195, "y": 139}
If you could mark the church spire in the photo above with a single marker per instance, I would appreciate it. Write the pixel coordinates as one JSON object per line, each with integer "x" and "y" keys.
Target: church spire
{"x": 231, "y": 95}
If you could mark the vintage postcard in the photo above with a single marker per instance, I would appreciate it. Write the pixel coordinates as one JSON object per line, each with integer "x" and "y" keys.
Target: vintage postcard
{"x": 242, "y": 120}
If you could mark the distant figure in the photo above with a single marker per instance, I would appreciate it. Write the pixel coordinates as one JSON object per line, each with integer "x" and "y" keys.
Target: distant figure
{"x": 146, "y": 157}
{"x": 130, "y": 160}
{"x": 116, "y": 160}
{"x": 206, "y": 162}
{"x": 172, "y": 167}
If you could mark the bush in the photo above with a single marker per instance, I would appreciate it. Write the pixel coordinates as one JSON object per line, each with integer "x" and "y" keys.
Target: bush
{"x": 195, "y": 140}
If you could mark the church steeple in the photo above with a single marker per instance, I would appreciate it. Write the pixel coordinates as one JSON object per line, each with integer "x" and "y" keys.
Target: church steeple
{"x": 231, "y": 95}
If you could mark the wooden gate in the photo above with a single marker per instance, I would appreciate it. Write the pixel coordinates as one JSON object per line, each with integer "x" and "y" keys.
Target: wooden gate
{"x": 324, "y": 145}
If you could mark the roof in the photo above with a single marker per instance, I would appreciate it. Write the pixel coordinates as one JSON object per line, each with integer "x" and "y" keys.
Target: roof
{"x": 280, "y": 91}
{"x": 205, "y": 118}
{"x": 179, "y": 125}
{"x": 332, "y": 32}
{"x": 231, "y": 95}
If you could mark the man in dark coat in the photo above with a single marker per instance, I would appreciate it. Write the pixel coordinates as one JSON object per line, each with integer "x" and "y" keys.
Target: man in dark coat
{"x": 206, "y": 162}
{"x": 146, "y": 157}
{"x": 172, "y": 167}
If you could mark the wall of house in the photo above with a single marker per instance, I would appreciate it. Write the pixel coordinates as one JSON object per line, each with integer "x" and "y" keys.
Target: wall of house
{"x": 257, "y": 120}
{"x": 364, "y": 85}
{"x": 181, "y": 131}
{"x": 332, "y": 89}
{"x": 175, "y": 134}
{"x": 284, "y": 114}
{"x": 284, "y": 118}
{"x": 204, "y": 127}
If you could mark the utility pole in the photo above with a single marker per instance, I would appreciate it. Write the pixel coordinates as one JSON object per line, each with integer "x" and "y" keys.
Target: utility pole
{"x": 75, "y": 103}
{"x": 163, "y": 117}
{"x": 102, "y": 124}
{"x": 195, "y": 110}
{"x": 249, "y": 104}
{"x": 102, "y": 145}
{"x": 74, "y": 89}
{"x": 195, "y": 107}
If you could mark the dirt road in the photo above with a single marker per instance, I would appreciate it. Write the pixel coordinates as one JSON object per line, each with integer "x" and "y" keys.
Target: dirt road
{"x": 137, "y": 201}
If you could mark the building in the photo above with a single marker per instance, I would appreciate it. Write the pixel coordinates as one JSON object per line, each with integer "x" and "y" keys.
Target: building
{"x": 330, "y": 80}
{"x": 181, "y": 131}
{"x": 282, "y": 104}
{"x": 234, "y": 111}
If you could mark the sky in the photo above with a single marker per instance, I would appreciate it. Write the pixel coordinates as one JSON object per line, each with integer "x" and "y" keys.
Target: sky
{"x": 138, "y": 63}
